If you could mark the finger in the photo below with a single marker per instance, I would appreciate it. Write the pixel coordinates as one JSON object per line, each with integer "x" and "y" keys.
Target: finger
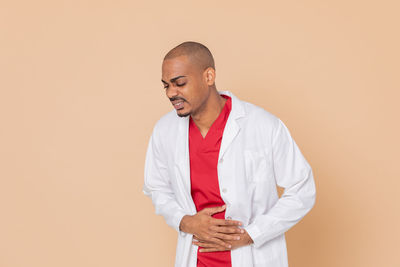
{"x": 225, "y": 222}
{"x": 212, "y": 249}
{"x": 228, "y": 229}
{"x": 205, "y": 244}
{"x": 213, "y": 210}
{"x": 208, "y": 245}
{"x": 219, "y": 242}
{"x": 197, "y": 238}
{"x": 227, "y": 237}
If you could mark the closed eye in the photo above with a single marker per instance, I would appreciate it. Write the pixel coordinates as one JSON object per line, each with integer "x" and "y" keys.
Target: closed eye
{"x": 179, "y": 85}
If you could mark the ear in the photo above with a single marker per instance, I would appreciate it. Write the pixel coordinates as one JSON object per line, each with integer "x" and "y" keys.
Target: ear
{"x": 209, "y": 75}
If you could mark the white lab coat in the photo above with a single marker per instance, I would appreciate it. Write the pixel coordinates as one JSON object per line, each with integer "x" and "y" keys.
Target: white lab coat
{"x": 257, "y": 153}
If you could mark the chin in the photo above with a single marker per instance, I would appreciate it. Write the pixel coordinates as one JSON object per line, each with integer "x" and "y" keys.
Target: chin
{"x": 182, "y": 114}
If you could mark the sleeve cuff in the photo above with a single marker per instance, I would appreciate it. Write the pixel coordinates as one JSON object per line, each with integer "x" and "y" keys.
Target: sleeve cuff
{"x": 177, "y": 220}
{"x": 254, "y": 232}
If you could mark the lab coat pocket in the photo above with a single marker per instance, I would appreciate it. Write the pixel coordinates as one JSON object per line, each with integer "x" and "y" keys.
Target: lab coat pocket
{"x": 257, "y": 166}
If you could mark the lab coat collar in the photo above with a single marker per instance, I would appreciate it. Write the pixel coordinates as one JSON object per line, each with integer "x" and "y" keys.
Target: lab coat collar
{"x": 182, "y": 161}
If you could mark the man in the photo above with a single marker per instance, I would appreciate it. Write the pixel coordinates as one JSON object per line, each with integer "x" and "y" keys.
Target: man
{"x": 212, "y": 166}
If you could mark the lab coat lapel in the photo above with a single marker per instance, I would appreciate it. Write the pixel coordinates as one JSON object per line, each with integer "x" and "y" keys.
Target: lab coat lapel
{"x": 232, "y": 128}
{"x": 182, "y": 161}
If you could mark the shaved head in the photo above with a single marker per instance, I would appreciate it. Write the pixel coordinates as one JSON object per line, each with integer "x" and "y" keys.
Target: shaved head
{"x": 199, "y": 54}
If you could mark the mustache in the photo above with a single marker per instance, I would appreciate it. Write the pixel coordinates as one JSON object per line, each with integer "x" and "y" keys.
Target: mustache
{"x": 177, "y": 98}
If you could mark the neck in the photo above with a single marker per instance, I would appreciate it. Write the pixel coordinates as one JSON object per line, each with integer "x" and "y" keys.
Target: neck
{"x": 212, "y": 108}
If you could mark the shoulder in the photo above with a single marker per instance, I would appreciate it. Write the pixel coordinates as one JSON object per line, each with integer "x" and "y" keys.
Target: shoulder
{"x": 259, "y": 125}
{"x": 167, "y": 129}
{"x": 166, "y": 121}
{"x": 266, "y": 123}
{"x": 257, "y": 115}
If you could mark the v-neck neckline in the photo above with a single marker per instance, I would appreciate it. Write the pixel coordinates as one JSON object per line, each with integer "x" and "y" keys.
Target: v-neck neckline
{"x": 206, "y": 137}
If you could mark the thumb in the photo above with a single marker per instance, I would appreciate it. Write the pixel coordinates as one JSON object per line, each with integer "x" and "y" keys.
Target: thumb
{"x": 214, "y": 210}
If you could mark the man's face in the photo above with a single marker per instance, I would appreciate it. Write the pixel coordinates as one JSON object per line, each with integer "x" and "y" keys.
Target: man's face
{"x": 184, "y": 84}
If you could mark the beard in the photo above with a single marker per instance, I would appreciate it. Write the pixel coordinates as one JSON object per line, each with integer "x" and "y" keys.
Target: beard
{"x": 183, "y": 114}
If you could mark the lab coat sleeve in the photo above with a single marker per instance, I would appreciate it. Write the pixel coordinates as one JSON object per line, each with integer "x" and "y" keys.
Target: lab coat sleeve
{"x": 294, "y": 174}
{"x": 157, "y": 185}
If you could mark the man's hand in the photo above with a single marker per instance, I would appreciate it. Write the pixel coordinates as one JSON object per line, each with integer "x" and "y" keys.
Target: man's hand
{"x": 211, "y": 230}
{"x": 245, "y": 239}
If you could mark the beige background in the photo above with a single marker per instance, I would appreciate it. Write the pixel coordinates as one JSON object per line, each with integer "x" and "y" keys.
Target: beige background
{"x": 80, "y": 92}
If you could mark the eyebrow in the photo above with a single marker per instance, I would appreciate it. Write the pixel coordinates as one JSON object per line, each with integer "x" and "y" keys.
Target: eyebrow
{"x": 174, "y": 79}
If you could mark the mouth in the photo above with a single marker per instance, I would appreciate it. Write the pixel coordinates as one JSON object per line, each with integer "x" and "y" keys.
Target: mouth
{"x": 178, "y": 105}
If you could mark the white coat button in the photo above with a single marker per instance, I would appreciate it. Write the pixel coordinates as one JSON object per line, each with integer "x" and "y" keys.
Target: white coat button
{"x": 229, "y": 218}
{"x": 221, "y": 160}
{"x": 224, "y": 190}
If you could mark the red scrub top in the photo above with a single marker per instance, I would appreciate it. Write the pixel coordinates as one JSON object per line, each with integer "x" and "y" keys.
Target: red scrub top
{"x": 205, "y": 192}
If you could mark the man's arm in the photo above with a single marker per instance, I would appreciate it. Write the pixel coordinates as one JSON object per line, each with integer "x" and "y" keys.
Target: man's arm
{"x": 293, "y": 173}
{"x": 157, "y": 186}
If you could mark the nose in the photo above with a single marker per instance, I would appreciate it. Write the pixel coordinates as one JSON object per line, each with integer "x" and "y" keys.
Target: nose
{"x": 171, "y": 92}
